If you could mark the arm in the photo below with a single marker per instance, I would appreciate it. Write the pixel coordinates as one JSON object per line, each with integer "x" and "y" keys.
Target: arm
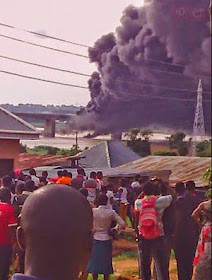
{"x": 196, "y": 214}
{"x": 119, "y": 220}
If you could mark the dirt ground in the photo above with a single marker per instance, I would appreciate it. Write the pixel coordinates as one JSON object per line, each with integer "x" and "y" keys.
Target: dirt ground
{"x": 128, "y": 268}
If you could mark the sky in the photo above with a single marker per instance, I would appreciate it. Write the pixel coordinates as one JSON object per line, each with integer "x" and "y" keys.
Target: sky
{"x": 82, "y": 21}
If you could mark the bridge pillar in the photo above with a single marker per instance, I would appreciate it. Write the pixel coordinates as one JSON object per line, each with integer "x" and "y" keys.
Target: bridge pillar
{"x": 49, "y": 128}
{"x": 69, "y": 127}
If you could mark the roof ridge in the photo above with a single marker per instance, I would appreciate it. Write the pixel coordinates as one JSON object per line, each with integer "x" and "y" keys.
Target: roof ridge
{"x": 108, "y": 152}
{"x": 18, "y": 119}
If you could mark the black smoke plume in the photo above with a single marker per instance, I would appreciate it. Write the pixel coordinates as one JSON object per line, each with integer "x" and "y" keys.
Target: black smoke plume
{"x": 157, "y": 48}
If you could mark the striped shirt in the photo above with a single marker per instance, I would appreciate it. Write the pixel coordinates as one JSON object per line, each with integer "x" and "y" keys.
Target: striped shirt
{"x": 161, "y": 204}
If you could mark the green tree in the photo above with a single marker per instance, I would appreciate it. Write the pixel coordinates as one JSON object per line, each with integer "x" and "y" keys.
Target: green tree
{"x": 203, "y": 149}
{"x": 177, "y": 141}
{"x": 138, "y": 141}
{"x": 208, "y": 176}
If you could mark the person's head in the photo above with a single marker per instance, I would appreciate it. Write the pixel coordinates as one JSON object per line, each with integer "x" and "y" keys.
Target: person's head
{"x": 180, "y": 188}
{"x": 190, "y": 186}
{"x": 30, "y": 186}
{"x": 5, "y": 195}
{"x": 60, "y": 173}
{"x": 32, "y": 172}
{"x": 102, "y": 200}
{"x": 65, "y": 173}
{"x": 7, "y": 182}
{"x": 149, "y": 188}
{"x": 110, "y": 187}
{"x": 45, "y": 174}
{"x": 93, "y": 175}
{"x": 164, "y": 188}
{"x": 70, "y": 175}
{"x": 99, "y": 175}
{"x": 81, "y": 171}
{"x": 84, "y": 192}
{"x": 137, "y": 177}
{"x": 27, "y": 178}
{"x": 12, "y": 174}
{"x": 21, "y": 177}
{"x": 57, "y": 243}
{"x": 124, "y": 183}
{"x": 104, "y": 189}
{"x": 20, "y": 188}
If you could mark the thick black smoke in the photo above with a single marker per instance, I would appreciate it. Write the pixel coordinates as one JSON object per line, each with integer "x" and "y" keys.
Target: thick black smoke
{"x": 156, "y": 48}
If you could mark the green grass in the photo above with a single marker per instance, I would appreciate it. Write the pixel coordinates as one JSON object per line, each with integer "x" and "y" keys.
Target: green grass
{"x": 126, "y": 256}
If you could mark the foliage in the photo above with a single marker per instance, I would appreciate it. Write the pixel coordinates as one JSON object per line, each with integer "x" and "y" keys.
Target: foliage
{"x": 138, "y": 141}
{"x": 208, "y": 176}
{"x": 165, "y": 153}
{"x": 177, "y": 141}
{"x": 23, "y": 148}
{"x": 203, "y": 149}
{"x": 48, "y": 150}
{"x": 126, "y": 255}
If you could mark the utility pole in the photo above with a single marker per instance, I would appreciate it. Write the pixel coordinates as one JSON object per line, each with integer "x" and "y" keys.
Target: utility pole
{"x": 76, "y": 141}
{"x": 199, "y": 122}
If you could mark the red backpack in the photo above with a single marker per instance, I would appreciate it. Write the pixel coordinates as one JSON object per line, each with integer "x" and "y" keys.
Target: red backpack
{"x": 149, "y": 220}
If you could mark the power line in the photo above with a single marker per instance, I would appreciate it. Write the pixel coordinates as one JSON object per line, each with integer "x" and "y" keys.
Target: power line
{"x": 83, "y": 87}
{"x": 41, "y": 46}
{"x": 87, "y": 75}
{"x": 45, "y": 36}
{"x": 86, "y": 46}
{"x": 44, "y": 66}
{"x": 42, "y": 80}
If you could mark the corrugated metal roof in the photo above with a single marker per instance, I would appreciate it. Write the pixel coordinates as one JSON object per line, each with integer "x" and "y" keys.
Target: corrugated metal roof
{"x": 110, "y": 153}
{"x": 183, "y": 168}
{"x": 12, "y": 126}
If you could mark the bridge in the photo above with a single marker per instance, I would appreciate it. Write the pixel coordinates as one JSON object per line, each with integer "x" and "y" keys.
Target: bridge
{"x": 49, "y": 120}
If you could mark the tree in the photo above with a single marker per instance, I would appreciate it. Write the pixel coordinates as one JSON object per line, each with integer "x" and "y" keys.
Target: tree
{"x": 177, "y": 141}
{"x": 139, "y": 141}
{"x": 203, "y": 149}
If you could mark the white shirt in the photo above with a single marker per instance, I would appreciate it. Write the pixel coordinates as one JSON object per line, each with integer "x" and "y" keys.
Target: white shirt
{"x": 103, "y": 217}
{"x": 35, "y": 180}
{"x": 135, "y": 184}
{"x": 109, "y": 194}
{"x": 124, "y": 196}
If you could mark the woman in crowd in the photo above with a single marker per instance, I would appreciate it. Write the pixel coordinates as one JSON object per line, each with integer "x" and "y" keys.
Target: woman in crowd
{"x": 101, "y": 259}
{"x": 124, "y": 204}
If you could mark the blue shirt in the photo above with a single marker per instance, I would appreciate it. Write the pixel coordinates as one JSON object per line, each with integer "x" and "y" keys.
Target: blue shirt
{"x": 18, "y": 276}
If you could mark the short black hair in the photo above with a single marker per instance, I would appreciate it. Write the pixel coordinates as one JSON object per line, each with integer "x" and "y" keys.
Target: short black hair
{"x": 65, "y": 173}
{"x": 43, "y": 180}
{"x": 143, "y": 179}
{"x": 81, "y": 171}
{"x": 60, "y": 173}
{"x": 70, "y": 174}
{"x": 5, "y": 195}
{"x": 149, "y": 188}
{"x": 104, "y": 189}
{"x": 102, "y": 199}
{"x": 32, "y": 172}
{"x": 180, "y": 188}
{"x": 99, "y": 174}
{"x": 93, "y": 175}
{"x": 7, "y": 181}
{"x": 137, "y": 177}
{"x": 45, "y": 173}
{"x": 190, "y": 186}
{"x": 30, "y": 186}
{"x": 20, "y": 188}
{"x": 84, "y": 192}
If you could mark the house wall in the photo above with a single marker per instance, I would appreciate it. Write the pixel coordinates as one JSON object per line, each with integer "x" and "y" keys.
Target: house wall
{"x": 9, "y": 149}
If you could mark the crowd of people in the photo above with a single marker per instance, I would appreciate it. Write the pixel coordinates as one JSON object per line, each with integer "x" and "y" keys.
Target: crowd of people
{"x": 63, "y": 228}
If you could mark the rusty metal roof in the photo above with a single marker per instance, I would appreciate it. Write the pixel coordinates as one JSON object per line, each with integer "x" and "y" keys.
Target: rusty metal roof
{"x": 183, "y": 168}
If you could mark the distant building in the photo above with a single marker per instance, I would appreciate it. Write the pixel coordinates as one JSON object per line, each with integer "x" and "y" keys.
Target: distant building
{"x": 12, "y": 129}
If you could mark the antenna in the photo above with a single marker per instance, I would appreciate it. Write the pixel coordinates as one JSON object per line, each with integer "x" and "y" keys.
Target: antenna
{"x": 199, "y": 122}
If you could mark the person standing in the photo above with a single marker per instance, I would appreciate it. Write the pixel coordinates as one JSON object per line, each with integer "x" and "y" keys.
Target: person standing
{"x": 124, "y": 204}
{"x": 34, "y": 177}
{"x": 186, "y": 232}
{"x": 101, "y": 258}
{"x": 8, "y": 224}
{"x": 149, "y": 212}
{"x": 91, "y": 186}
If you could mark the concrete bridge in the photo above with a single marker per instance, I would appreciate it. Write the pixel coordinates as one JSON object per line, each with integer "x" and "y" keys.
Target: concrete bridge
{"x": 49, "y": 121}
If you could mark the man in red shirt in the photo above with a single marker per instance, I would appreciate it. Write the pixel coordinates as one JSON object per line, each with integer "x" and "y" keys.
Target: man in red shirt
{"x": 8, "y": 225}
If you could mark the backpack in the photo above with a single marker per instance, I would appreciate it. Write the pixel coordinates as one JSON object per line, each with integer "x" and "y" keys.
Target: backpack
{"x": 149, "y": 220}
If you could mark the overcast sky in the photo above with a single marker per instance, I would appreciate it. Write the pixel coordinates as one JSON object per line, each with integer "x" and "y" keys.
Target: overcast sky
{"x": 81, "y": 21}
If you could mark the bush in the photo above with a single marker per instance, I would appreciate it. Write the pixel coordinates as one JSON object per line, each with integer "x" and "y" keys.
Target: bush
{"x": 23, "y": 148}
{"x": 165, "y": 153}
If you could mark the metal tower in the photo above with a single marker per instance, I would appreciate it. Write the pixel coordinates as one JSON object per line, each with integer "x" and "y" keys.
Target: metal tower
{"x": 199, "y": 122}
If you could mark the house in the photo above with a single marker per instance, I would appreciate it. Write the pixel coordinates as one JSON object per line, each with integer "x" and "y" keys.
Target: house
{"x": 12, "y": 129}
